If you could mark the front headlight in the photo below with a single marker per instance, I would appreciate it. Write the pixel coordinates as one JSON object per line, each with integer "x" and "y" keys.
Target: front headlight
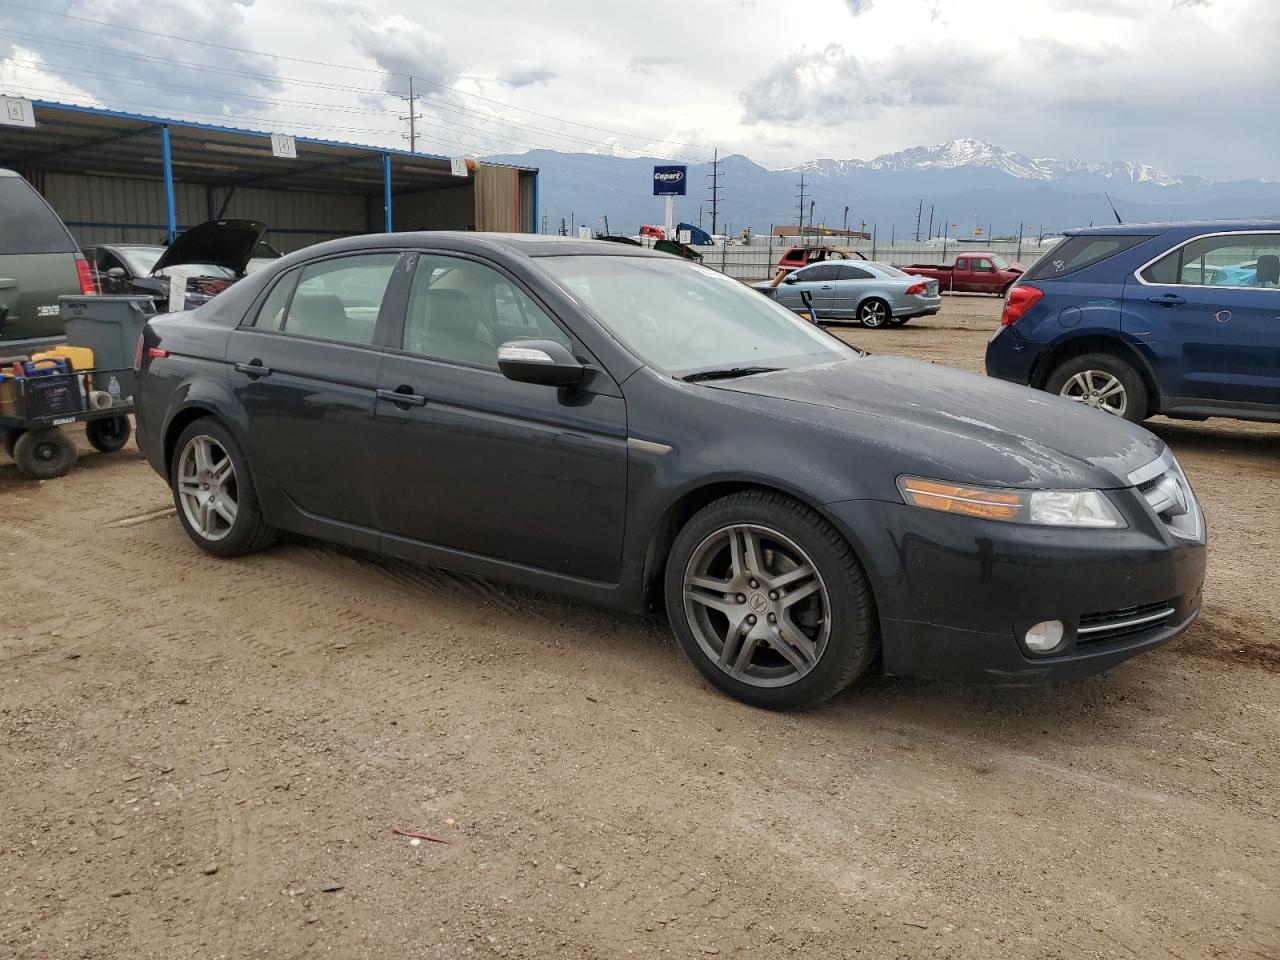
{"x": 1050, "y": 508}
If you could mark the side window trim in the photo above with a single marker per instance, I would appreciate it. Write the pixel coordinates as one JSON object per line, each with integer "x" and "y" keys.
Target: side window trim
{"x": 1179, "y": 250}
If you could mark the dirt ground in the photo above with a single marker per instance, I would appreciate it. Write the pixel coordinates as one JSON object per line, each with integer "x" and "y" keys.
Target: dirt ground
{"x": 206, "y": 758}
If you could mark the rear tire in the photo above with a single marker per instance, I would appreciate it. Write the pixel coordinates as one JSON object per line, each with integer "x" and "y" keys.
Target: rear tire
{"x": 44, "y": 453}
{"x": 214, "y": 493}
{"x": 1104, "y": 382}
{"x": 109, "y": 434}
{"x": 874, "y": 313}
{"x": 753, "y": 621}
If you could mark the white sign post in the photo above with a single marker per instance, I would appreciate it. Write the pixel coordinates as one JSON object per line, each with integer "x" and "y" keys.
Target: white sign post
{"x": 584, "y": 233}
{"x": 671, "y": 203}
{"x": 284, "y": 146}
{"x": 458, "y": 166}
{"x": 686, "y": 237}
{"x": 17, "y": 112}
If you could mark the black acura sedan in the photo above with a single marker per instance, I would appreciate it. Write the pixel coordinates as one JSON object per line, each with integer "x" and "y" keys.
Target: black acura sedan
{"x": 638, "y": 431}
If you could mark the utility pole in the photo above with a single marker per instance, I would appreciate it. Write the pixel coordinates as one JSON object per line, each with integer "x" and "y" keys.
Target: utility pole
{"x": 930, "y": 221}
{"x": 714, "y": 177}
{"x": 573, "y": 225}
{"x": 919, "y": 214}
{"x": 800, "y": 233}
{"x": 606, "y": 225}
{"x": 544, "y": 221}
{"x": 564, "y": 231}
{"x": 846, "y": 219}
{"x": 412, "y": 117}
{"x": 811, "y": 217}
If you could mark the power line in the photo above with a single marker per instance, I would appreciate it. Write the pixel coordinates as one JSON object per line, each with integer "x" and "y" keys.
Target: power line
{"x": 436, "y": 104}
{"x": 340, "y": 66}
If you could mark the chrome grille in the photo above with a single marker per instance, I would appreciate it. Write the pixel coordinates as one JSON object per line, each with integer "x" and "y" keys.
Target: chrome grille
{"x": 1165, "y": 488}
{"x": 1127, "y": 623}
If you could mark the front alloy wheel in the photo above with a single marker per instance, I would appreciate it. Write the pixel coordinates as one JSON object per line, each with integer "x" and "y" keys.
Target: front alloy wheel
{"x": 1098, "y": 389}
{"x": 768, "y": 601}
{"x": 757, "y": 605}
{"x": 207, "y": 488}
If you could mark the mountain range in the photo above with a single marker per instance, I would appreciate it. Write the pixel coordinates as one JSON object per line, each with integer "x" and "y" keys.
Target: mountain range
{"x": 967, "y": 182}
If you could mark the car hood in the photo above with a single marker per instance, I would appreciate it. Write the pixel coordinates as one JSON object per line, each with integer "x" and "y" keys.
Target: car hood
{"x": 224, "y": 243}
{"x": 963, "y": 427}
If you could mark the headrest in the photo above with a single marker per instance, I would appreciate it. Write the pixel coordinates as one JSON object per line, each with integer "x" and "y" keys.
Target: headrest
{"x": 450, "y": 314}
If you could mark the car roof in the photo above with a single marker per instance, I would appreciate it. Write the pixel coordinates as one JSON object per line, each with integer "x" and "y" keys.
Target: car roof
{"x": 525, "y": 244}
{"x": 1177, "y": 226}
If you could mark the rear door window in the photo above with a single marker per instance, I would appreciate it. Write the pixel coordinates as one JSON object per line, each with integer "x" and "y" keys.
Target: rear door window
{"x": 27, "y": 223}
{"x": 1239, "y": 260}
{"x": 850, "y": 272}
{"x": 1076, "y": 253}
{"x": 819, "y": 273}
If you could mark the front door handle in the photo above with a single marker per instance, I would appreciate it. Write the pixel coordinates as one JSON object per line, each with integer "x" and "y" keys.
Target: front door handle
{"x": 1167, "y": 300}
{"x": 825, "y": 286}
{"x": 402, "y": 396}
{"x": 253, "y": 368}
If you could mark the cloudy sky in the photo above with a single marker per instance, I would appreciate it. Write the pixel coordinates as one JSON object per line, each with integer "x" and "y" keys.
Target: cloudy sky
{"x": 1185, "y": 85}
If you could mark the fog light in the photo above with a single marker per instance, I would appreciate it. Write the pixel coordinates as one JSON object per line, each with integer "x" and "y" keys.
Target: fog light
{"x": 1044, "y": 636}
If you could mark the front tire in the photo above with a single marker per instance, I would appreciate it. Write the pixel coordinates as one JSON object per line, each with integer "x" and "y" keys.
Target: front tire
{"x": 874, "y": 313}
{"x": 769, "y": 602}
{"x": 1104, "y": 382}
{"x": 214, "y": 494}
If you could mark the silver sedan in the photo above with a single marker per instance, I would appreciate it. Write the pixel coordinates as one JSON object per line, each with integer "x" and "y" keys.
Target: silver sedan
{"x": 873, "y": 294}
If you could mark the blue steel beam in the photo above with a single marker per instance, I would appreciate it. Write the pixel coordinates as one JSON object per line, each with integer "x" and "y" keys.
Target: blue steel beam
{"x": 167, "y": 158}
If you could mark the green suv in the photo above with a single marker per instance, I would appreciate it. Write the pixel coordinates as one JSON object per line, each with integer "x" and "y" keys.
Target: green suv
{"x": 39, "y": 262}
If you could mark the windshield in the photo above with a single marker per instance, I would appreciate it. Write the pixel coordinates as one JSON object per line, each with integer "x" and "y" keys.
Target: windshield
{"x": 1000, "y": 262}
{"x": 142, "y": 260}
{"x": 678, "y": 317}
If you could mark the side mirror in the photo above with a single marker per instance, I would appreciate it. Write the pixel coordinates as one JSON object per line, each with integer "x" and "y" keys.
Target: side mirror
{"x": 789, "y": 278}
{"x": 539, "y": 361}
{"x": 116, "y": 273}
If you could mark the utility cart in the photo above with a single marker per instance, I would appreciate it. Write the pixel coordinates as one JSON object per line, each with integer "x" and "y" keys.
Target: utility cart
{"x": 36, "y": 406}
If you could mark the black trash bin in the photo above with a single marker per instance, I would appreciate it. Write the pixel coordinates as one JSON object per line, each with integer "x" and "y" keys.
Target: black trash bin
{"x": 110, "y": 327}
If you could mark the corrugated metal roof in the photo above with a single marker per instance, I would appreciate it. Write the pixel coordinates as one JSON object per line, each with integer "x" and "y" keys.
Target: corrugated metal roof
{"x": 69, "y": 138}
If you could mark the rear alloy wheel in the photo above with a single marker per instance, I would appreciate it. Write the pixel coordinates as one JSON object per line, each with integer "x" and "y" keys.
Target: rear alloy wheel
{"x": 108, "y": 434}
{"x": 769, "y": 602}
{"x": 874, "y": 313}
{"x": 1103, "y": 382}
{"x": 214, "y": 492}
{"x": 44, "y": 453}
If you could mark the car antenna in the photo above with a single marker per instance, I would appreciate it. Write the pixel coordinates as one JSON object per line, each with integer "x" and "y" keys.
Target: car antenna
{"x": 1113, "y": 207}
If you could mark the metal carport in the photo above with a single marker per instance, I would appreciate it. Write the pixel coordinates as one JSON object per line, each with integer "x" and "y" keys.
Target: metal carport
{"x": 124, "y": 177}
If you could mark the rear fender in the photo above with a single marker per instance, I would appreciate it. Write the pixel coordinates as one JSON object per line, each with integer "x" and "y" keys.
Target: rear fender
{"x": 200, "y": 397}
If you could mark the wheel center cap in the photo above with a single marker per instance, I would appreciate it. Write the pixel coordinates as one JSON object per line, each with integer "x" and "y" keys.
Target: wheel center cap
{"x": 758, "y": 603}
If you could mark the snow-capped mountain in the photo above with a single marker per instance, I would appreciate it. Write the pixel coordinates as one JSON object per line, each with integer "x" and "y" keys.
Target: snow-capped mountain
{"x": 969, "y": 153}
{"x": 967, "y": 182}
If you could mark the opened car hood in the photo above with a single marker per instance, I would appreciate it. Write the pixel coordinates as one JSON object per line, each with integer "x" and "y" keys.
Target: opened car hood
{"x": 1038, "y": 439}
{"x": 224, "y": 243}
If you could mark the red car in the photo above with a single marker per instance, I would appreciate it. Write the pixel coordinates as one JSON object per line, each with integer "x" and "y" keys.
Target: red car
{"x": 971, "y": 273}
{"x": 798, "y": 257}
{"x": 657, "y": 233}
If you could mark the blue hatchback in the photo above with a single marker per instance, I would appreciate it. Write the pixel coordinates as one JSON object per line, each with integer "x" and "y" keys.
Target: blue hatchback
{"x": 1180, "y": 319}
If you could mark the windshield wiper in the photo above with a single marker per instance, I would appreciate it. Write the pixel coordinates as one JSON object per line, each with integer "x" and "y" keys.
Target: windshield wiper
{"x": 727, "y": 373}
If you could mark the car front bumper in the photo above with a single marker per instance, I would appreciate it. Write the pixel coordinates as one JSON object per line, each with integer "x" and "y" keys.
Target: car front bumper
{"x": 956, "y": 595}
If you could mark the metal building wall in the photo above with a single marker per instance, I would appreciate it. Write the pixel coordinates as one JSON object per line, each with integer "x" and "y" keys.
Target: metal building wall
{"x": 132, "y": 210}
{"x": 453, "y": 208}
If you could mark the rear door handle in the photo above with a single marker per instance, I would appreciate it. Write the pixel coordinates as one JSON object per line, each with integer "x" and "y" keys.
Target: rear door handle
{"x": 402, "y": 396}
{"x": 1167, "y": 300}
{"x": 254, "y": 369}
